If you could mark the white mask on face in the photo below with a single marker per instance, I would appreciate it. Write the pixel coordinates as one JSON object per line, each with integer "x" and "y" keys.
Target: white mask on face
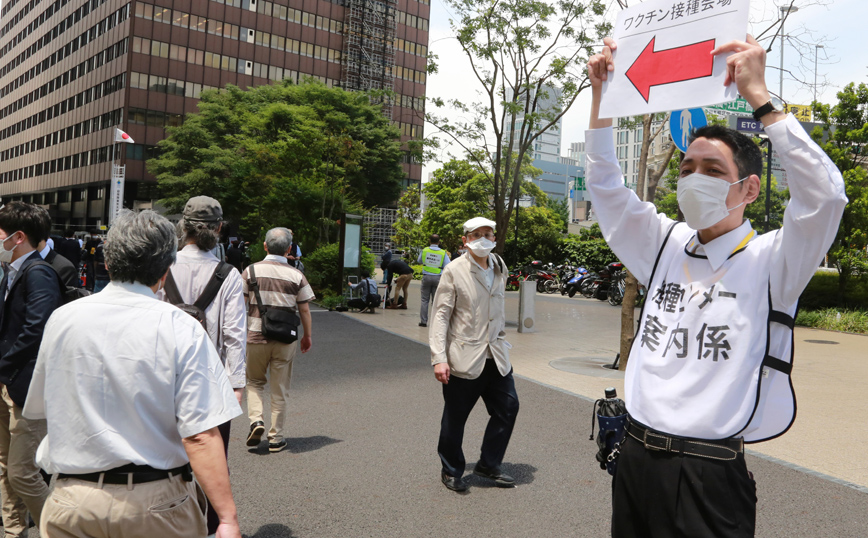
{"x": 702, "y": 199}
{"x": 6, "y": 255}
{"x": 481, "y": 247}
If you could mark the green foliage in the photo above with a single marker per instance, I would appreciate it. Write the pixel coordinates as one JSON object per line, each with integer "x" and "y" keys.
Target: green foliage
{"x": 457, "y": 192}
{"x": 282, "y": 155}
{"x": 832, "y": 319}
{"x": 538, "y": 231}
{"x": 321, "y": 267}
{"x": 591, "y": 254}
{"x": 417, "y": 271}
{"x": 561, "y": 209}
{"x": 331, "y": 300}
{"x": 369, "y": 260}
{"x": 592, "y": 232}
{"x": 822, "y": 292}
{"x": 409, "y": 234}
{"x": 256, "y": 250}
{"x": 844, "y": 138}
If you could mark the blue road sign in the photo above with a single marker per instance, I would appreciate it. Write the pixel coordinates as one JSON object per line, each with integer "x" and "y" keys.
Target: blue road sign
{"x": 682, "y": 122}
{"x": 748, "y": 124}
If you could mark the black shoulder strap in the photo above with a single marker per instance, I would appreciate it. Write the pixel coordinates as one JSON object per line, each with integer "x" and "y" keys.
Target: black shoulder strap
{"x": 254, "y": 285}
{"x": 171, "y": 289}
{"x": 213, "y": 287}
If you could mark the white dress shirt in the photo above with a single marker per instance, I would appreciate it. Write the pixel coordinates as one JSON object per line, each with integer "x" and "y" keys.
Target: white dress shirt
{"x": 122, "y": 378}
{"x": 226, "y": 316}
{"x": 12, "y": 270}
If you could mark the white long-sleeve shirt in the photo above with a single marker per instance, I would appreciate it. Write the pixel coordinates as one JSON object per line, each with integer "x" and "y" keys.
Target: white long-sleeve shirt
{"x": 711, "y": 357}
{"x": 226, "y": 317}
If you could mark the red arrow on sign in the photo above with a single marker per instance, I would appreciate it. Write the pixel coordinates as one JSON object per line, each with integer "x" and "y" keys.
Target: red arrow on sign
{"x": 653, "y": 68}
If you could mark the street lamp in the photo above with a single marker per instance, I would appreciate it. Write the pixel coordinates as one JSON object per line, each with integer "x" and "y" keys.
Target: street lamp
{"x": 784, "y": 12}
{"x": 816, "y": 51}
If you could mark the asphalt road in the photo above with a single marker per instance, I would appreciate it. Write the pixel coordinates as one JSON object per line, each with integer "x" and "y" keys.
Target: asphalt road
{"x": 361, "y": 462}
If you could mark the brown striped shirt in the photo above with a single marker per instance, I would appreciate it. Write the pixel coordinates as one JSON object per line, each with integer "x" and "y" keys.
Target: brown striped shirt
{"x": 280, "y": 286}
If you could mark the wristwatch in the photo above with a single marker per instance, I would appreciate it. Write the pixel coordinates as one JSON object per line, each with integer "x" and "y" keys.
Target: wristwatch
{"x": 763, "y": 110}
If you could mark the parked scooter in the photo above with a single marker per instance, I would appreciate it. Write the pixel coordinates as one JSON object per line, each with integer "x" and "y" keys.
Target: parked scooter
{"x": 574, "y": 284}
{"x": 599, "y": 287}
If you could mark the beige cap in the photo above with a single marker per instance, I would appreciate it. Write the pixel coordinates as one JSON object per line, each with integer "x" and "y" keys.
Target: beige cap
{"x": 478, "y": 222}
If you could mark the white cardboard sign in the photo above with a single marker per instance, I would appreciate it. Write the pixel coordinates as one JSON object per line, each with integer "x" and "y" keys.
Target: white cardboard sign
{"x": 663, "y": 60}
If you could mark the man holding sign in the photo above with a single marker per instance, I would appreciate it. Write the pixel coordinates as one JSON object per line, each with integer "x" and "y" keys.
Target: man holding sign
{"x": 710, "y": 367}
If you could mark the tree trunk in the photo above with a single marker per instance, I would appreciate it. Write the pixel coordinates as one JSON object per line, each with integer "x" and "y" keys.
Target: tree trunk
{"x": 631, "y": 291}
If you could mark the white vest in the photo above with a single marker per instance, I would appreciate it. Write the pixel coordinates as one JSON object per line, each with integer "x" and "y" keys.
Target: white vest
{"x": 713, "y": 353}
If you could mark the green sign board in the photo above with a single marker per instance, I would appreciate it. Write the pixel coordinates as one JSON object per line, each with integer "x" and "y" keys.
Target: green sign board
{"x": 579, "y": 183}
{"x": 739, "y": 106}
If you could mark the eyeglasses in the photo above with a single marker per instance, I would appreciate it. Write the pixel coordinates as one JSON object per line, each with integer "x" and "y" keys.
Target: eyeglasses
{"x": 479, "y": 235}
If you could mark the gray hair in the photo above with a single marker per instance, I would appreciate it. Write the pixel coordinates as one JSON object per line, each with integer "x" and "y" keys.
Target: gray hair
{"x": 202, "y": 234}
{"x": 140, "y": 247}
{"x": 278, "y": 241}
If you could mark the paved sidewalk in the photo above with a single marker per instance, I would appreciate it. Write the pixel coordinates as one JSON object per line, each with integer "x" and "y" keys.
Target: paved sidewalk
{"x": 576, "y": 337}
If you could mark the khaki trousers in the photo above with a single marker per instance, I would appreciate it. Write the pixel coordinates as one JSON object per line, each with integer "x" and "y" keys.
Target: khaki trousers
{"x": 167, "y": 508}
{"x": 402, "y": 283}
{"x": 22, "y": 487}
{"x": 275, "y": 360}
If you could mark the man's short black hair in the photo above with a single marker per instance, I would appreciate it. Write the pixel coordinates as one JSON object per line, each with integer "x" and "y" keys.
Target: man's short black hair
{"x": 366, "y": 273}
{"x": 435, "y": 239}
{"x": 28, "y": 218}
{"x": 746, "y": 154}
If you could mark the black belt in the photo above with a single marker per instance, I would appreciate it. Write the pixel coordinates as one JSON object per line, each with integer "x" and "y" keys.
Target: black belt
{"x": 719, "y": 449}
{"x": 141, "y": 474}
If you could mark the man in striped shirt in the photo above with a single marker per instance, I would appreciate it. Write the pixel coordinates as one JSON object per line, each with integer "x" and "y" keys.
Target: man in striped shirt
{"x": 285, "y": 288}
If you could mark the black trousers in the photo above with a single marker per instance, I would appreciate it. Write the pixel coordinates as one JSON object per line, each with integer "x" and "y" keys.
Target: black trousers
{"x": 459, "y": 397}
{"x": 664, "y": 495}
{"x": 211, "y": 515}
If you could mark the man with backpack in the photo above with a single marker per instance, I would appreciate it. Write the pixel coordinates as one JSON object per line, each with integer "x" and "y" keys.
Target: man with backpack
{"x": 30, "y": 293}
{"x": 211, "y": 291}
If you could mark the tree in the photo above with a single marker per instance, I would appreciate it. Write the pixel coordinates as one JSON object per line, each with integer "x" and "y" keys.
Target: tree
{"x": 282, "y": 154}
{"x": 538, "y": 235}
{"x": 844, "y": 138}
{"x": 525, "y": 55}
{"x": 457, "y": 192}
{"x": 408, "y": 231}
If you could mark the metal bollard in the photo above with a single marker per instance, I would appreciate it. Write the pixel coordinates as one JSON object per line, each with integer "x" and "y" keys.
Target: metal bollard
{"x": 526, "y": 314}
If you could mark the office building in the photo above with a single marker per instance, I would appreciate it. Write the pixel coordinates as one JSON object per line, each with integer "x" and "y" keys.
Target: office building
{"x": 73, "y": 71}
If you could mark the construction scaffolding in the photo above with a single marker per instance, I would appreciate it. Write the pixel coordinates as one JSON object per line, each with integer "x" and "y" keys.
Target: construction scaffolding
{"x": 369, "y": 48}
{"x": 379, "y": 229}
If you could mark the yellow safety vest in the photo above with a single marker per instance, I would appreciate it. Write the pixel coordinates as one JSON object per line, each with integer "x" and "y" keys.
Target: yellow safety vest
{"x": 432, "y": 260}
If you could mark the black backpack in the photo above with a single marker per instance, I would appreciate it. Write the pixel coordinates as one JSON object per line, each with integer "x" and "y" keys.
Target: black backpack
{"x": 197, "y": 309}
{"x": 68, "y": 294}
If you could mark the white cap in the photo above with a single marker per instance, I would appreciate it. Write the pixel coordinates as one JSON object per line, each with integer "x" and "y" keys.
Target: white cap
{"x": 478, "y": 222}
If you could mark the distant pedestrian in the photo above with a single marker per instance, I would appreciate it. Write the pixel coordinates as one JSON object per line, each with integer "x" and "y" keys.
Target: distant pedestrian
{"x": 70, "y": 248}
{"x": 470, "y": 356}
{"x": 97, "y": 276}
{"x": 402, "y": 283}
{"x": 196, "y": 271}
{"x": 433, "y": 260}
{"x": 294, "y": 256}
{"x": 133, "y": 392}
{"x": 31, "y": 293}
{"x": 386, "y": 258}
{"x": 234, "y": 255}
{"x": 282, "y": 288}
{"x": 370, "y": 299}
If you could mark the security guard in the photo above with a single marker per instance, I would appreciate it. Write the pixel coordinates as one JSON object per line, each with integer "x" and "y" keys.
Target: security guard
{"x": 433, "y": 259}
{"x": 710, "y": 367}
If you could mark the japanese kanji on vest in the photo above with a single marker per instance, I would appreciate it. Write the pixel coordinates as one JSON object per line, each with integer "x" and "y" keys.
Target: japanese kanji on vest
{"x": 433, "y": 260}
{"x": 713, "y": 345}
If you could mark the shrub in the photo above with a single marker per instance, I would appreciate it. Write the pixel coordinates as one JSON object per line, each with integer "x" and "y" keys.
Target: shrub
{"x": 589, "y": 253}
{"x": 321, "y": 266}
{"x": 822, "y": 292}
{"x": 832, "y": 319}
{"x": 417, "y": 271}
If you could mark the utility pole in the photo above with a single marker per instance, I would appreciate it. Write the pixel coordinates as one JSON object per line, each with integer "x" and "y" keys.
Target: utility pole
{"x": 816, "y": 52}
{"x": 785, "y": 11}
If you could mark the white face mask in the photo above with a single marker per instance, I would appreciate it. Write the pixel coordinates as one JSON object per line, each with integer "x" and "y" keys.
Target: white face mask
{"x": 481, "y": 247}
{"x": 702, "y": 199}
{"x": 6, "y": 255}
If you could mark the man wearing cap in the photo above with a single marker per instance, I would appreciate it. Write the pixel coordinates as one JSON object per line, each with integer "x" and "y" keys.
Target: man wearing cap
{"x": 433, "y": 259}
{"x": 470, "y": 356}
{"x": 226, "y": 315}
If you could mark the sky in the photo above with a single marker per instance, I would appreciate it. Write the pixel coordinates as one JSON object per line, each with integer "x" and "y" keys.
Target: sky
{"x": 838, "y": 25}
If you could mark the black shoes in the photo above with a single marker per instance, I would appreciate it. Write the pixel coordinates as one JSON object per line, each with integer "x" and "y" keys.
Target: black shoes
{"x": 423, "y": 324}
{"x": 455, "y": 483}
{"x": 501, "y": 479}
{"x": 277, "y": 447}
{"x": 255, "y": 435}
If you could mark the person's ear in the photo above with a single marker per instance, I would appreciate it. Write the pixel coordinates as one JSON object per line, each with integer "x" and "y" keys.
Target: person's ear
{"x": 753, "y": 188}
{"x": 265, "y": 247}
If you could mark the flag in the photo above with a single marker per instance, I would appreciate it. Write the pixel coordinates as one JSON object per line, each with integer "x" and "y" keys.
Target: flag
{"x": 121, "y": 136}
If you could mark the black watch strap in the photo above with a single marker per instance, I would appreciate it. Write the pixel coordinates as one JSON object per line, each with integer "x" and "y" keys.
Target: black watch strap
{"x": 763, "y": 110}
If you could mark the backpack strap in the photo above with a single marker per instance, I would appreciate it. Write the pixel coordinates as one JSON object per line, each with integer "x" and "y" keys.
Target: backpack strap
{"x": 254, "y": 285}
{"x": 171, "y": 289}
{"x": 213, "y": 288}
{"x": 46, "y": 264}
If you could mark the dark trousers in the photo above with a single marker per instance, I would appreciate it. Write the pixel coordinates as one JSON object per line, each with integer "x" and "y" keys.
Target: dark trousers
{"x": 459, "y": 396}
{"x": 213, "y": 520}
{"x": 664, "y": 495}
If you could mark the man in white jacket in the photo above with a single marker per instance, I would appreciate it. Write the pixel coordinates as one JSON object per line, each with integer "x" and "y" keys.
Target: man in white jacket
{"x": 710, "y": 367}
